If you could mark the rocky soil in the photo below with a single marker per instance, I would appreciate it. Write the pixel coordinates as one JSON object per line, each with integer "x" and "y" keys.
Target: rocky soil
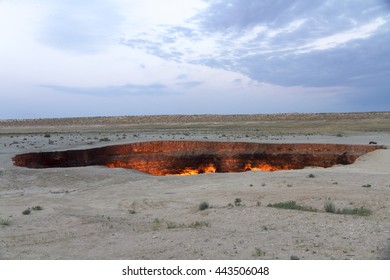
{"x": 113, "y": 213}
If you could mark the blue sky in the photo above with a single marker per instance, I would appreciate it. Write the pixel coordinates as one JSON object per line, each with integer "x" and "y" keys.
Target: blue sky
{"x": 145, "y": 57}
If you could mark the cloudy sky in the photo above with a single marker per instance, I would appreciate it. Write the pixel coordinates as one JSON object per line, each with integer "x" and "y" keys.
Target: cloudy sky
{"x": 144, "y": 57}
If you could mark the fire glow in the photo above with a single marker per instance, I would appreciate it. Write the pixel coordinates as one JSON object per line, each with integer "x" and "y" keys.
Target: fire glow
{"x": 162, "y": 158}
{"x": 212, "y": 169}
{"x": 208, "y": 168}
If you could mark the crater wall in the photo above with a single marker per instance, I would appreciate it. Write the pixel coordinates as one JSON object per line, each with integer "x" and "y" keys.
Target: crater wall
{"x": 194, "y": 157}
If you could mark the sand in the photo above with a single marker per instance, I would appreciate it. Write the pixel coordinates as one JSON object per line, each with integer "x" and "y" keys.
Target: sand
{"x": 102, "y": 213}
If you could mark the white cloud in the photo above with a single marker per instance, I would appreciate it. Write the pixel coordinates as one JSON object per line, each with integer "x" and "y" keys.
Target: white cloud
{"x": 73, "y": 44}
{"x": 232, "y": 45}
{"x": 149, "y": 16}
{"x": 341, "y": 38}
{"x": 252, "y": 34}
{"x": 291, "y": 27}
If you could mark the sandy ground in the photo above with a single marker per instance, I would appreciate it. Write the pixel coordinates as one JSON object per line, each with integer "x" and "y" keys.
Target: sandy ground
{"x": 102, "y": 213}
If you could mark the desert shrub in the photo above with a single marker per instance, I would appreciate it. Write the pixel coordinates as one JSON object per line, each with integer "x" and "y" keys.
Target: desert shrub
{"x": 196, "y": 224}
{"x": 366, "y": 186}
{"x": 355, "y": 211}
{"x": 157, "y": 223}
{"x": 311, "y": 175}
{"x": 329, "y": 207}
{"x": 203, "y": 206}
{"x": 5, "y": 222}
{"x": 37, "y": 208}
{"x": 237, "y": 202}
{"x": 27, "y": 211}
{"x": 171, "y": 225}
{"x": 292, "y": 205}
{"x": 258, "y": 252}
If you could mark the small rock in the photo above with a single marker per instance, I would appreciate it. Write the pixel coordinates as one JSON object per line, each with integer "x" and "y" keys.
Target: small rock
{"x": 294, "y": 258}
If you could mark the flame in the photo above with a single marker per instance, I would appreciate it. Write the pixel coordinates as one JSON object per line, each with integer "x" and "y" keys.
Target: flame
{"x": 117, "y": 164}
{"x": 209, "y": 168}
{"x": 205, "y": 168}
{"x": 187, "y": 171}
{"x": 263, "y": 167}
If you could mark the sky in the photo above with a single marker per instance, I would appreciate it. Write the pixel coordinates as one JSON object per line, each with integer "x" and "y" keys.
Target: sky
{"x": 149, "y": 57}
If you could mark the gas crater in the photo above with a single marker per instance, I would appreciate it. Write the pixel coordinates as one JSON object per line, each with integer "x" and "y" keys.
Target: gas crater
{"x": 163, "y": 158}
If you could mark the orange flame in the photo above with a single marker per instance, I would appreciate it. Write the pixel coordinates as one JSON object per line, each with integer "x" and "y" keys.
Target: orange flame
{"x": 205, "y": 168}
{"x": 209, "y": 168}
{"x": 117, "y": 164}
{"x": 263, "y": 167}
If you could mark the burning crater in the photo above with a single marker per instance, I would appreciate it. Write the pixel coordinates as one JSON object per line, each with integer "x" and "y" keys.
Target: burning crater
{"x": 194, "y": 157}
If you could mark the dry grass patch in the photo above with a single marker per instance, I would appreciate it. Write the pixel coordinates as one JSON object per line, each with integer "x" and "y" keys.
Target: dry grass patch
{"x": 292, "y": 205}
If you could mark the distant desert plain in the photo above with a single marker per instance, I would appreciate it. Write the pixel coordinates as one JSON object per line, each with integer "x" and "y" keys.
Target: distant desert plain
{"x": 95, "y": 212}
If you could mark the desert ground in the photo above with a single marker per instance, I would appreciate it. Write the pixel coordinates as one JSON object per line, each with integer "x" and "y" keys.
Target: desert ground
{"x": 102, "y": 213}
